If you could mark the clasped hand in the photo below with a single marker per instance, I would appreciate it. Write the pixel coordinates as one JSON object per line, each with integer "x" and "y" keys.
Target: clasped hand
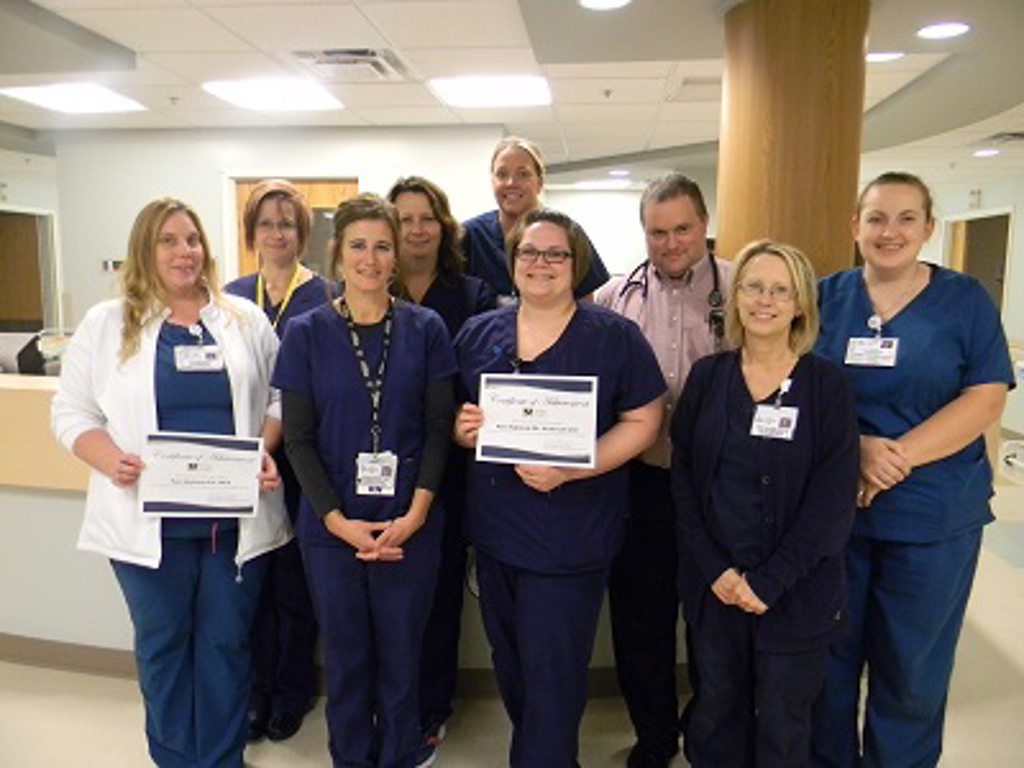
{"x": 732, "y": 589}
{"x": 883, "y": 464}
{"x": 375, "y": 541}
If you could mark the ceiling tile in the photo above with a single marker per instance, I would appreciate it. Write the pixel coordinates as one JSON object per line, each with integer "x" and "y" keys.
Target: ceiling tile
{"x": 442, "y": 62}
{"x": 607, "y": 90}
{"x": 690, "y": 111}
{"x": 626, "y": 113}
{"x": 485, "y": 24}
{"x": 300, "y": 27}
{"x": 198, "y": 68}
{"x": 407, "y": 115}
{"x": 386, "y": 95}
{"x": 158, "y": 29}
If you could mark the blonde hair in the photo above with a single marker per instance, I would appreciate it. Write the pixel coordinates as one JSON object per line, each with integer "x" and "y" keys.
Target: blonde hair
{"x": 803, "y": 330}
{"x": 140, "y": 286}
{"x": 527, "y": 146}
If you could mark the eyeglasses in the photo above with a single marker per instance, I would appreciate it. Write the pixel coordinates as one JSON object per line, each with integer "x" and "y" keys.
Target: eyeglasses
{"x": 285, "y": 225}
{"x": 777, "y": 292}
{"x": 528, "y": 254}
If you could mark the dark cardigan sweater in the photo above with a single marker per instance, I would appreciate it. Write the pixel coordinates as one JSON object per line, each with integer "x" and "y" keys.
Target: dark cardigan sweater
{"x": 808, "y": 495}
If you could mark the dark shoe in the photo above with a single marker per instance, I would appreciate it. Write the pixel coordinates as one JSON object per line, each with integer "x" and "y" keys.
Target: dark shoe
{"x": 258, "y": 720}
{"x": 283, "y": 725}
{"x": 642, "y": 757}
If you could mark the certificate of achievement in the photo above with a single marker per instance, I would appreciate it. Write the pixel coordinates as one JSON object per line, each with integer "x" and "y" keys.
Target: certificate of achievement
{"x": 200, "y": 475}
{"x": 538, "y": 419}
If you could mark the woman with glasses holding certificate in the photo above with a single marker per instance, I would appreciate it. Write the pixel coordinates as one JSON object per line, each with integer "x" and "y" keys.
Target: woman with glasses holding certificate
{"x": 175, "y": 355}
{"x": 276, "y": 222}
{"x": 764, "y": 473}
{"x": 366, "y": 384}
{"x": 546, "y": 532}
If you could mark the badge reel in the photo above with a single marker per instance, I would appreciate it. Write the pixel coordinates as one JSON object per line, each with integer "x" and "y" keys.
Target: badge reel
{"x": 876, "y": 351}
{"x": 776, "y": 421}
{"x": 198, "y": 357}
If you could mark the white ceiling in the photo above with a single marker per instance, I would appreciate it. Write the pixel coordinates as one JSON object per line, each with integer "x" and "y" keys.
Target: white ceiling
{"x": 638, "y": 88}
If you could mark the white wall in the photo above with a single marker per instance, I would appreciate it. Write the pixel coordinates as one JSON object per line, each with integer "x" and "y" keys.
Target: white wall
{"x": 28, "y": 182}
{"x": 105, "y": 178}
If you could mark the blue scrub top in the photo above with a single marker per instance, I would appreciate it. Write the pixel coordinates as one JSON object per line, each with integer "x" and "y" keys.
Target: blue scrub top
{"x": 483, "y": 244}
{"x": 310, "y": 295}
{"x": 458, "y": 299}
{"x": 950, "y": 338}
{"x": 579, "y": 526}
{"x": 317, "y": 360}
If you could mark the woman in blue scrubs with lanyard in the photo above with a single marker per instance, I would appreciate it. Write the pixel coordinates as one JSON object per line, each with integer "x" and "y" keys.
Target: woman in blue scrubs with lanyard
{"x": 431, "y": 269}
{"x": 276, "y": 222}
{"x": 927, "y": 357}
{"x": 517, "y": 178}
{"x": 366, "y": 384}
{"x": 545, "y": 536}
{"x": 764, "y": 473}
{"x": 176, "y": 355}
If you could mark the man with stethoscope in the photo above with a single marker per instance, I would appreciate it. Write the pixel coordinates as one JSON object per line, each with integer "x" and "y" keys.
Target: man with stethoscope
{"x": 677, "y": 298}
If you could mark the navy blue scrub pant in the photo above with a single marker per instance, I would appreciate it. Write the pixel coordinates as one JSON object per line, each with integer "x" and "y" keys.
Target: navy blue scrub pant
{"x": 191, "y": 618}
{"x": 372, "y": 618}
{"x": 907, "y": 604}
{"x": 439, "y": 665}
{"x": 644, "y": 605}
{"x": 541, "y": 628}
{"x": 284, "y": 638}
{"x": 755, "y": 706}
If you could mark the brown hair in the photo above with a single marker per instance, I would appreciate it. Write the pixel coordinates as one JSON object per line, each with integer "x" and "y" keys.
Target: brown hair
{"x": 669, "y": 187}
{"x": 899, "y": 177}
{"x": 363, "y": 207}
{"x": 282, "y": 191}
{"x": 579, "y": 245}
{"x": 449, "y": 256}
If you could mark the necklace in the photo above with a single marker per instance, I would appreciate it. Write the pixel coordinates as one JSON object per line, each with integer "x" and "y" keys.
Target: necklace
{"x": 876, "y": 320}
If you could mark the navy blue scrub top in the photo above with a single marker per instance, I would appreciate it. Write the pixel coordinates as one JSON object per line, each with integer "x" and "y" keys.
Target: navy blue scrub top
{"x": 190, "y": 402}
{"x": 483, "y": 244}
{"x": 579, "y": 526}
{"x": 317, "y": 360}
{"x": 310, "y": 295}
{"x": 458, "y": 299}
{"x": 950, "y": 338}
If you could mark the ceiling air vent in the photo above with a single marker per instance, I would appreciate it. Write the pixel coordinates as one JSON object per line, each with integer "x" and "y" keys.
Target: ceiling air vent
{"x": 1005, "y": 137}
{"x": 353, "y": 65}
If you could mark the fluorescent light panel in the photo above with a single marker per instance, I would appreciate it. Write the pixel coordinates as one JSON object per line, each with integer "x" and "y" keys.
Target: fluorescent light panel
{"x": 881, "y": 57}
{"x": 943, "y": 31}
{"x": 74, "y": 98}
{"x": 987, "y": 152}
{"x": 603, "y": 5}
{"x": 276, "y": 94}
{"x": 475, "y": 92}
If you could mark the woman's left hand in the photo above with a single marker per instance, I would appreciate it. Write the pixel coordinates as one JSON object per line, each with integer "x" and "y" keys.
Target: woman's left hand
{"x": 747, "y": 599}
{"x": 269, "y": 477}
{"x": 543, "y": 479}
{"x": 400, "y": 530}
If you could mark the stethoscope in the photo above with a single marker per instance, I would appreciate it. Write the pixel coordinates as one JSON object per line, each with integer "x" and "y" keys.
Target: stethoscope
{"x": 640, "y": 278}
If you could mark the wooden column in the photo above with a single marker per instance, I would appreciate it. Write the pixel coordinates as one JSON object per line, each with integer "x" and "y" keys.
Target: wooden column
{"x": 792, "y": 107}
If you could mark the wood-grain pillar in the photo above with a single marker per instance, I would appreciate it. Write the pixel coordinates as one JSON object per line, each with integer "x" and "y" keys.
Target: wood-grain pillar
{"x": 792, "y": 107}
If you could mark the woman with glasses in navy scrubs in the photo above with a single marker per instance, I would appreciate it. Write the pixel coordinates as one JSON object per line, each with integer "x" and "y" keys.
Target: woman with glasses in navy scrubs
{"x": 545, "y": 536}
{"x": 366, "y": 383}
{"x": 431, "y": 270}
{"x": 926, "y": 354}
{"x": 764, "y": 471}
{"x": 276, "y": 222}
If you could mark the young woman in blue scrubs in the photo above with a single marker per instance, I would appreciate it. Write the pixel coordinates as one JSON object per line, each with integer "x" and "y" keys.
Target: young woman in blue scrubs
{"x": 366, "y": 384}
{"x": 431, "y": 269}
{"x": 764, "y": 476}
{"x": 927, "y": 357}
{"x": 545, "y": 536}
{"x": 517, "y": 178}
{"x": 276, "y": 222}
{"x": 174, "y": 354}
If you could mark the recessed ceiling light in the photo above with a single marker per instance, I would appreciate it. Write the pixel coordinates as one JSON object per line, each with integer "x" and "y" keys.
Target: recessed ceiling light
{"x": 498, "y": 91}
{"x": 987, "y": 152}
{"x": 620, "y": 172}
{"x": 75, "y": 98}
{"x": 603, "y": 5}
{"x": 943, "y": 31}
{"x": 603, "y": 184}
{"x": 881, "y": 57}
{"x": 277, "y": 94}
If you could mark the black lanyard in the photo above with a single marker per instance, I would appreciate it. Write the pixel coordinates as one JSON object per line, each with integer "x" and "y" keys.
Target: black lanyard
{"x": 374, "y": 385}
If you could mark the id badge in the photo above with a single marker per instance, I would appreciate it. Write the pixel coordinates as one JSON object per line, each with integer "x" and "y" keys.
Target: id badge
{"x": 776, "y": 422}
{"x": 872, "y": 351}
{"x": 196, "y": 358}
{"x": 376, "y": 474}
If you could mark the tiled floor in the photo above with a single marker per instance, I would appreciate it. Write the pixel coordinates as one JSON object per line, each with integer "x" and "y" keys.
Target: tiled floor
{"x": 50, "y": 718}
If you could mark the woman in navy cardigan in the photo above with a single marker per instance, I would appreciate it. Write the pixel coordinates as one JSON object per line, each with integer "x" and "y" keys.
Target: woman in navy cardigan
{"x": 764, "y": 476}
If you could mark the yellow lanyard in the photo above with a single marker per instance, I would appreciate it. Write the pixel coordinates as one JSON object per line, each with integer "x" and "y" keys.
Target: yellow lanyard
{"x": 287, "y": 295}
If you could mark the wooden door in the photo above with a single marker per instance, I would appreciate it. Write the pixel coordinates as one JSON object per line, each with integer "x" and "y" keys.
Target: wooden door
{"x": 21, "y": 294}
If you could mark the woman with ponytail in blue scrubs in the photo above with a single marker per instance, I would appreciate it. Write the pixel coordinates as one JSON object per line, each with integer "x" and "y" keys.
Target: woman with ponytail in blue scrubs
{"x": 276, "y": 222}
{"x": 927, "y": 357}
{"x": 545, "y": 536}
{"x": 366, "y": 384}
